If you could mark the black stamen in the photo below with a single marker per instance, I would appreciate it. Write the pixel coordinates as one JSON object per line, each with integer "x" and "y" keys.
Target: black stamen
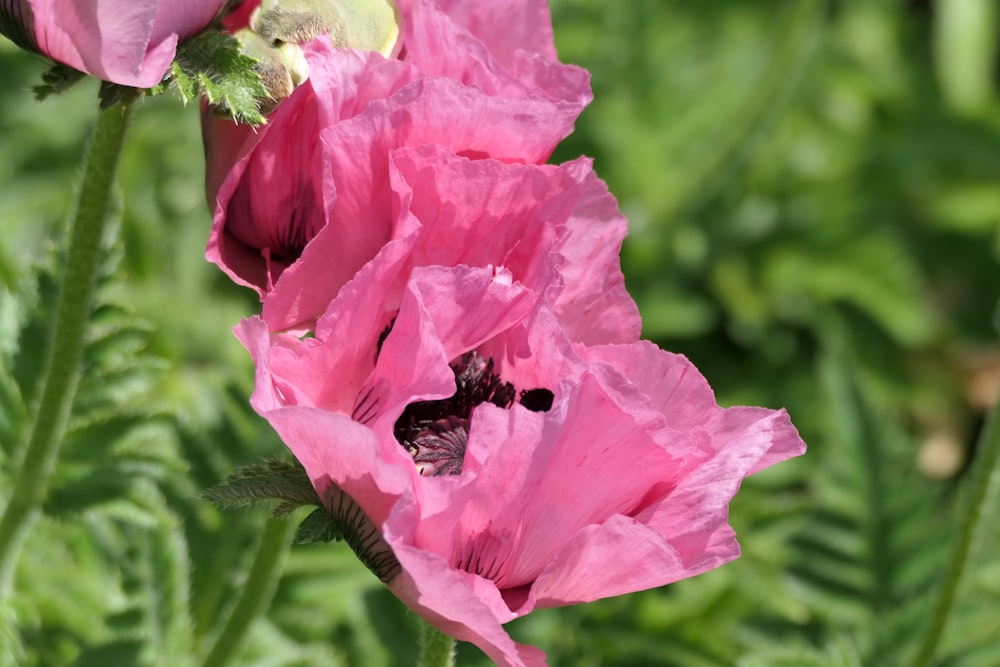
{"x": 435, "y": 433}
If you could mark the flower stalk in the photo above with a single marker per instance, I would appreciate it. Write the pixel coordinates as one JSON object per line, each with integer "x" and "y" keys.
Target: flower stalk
{"x": 258, "y": 589}
{"x": 985, "y": 481}
{"x": 65, "y": 355}
{"x": 436, "y": 648}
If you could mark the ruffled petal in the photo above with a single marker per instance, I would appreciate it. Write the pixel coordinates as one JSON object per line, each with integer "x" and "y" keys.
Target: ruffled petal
{"x": 595, "y": 307}
{"x": 506, "y": 27}
{"x": 616, "y": 557}
{"x": 442, "y": 48}
{"x": 360, "y": 216}
{"x": 335, "y": 449}
{"x": 329, "y": 369}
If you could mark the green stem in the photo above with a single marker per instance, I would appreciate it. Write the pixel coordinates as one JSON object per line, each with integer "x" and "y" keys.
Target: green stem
{"x": 436, "y": 648}
{"x": 257, "y": 590}
{"x": 65, "y": 354}
{"x": 986, "y": 475}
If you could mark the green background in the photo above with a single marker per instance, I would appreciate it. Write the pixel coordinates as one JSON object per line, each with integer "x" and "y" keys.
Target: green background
{"x": 814, "y": 197}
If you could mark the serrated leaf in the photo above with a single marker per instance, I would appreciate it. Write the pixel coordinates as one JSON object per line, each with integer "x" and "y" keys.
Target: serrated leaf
{"x": 186, "y": 86}
{"x": 269, "y": 480}
{"x": 319, "y": 526}
{"x": 214, "y": 65}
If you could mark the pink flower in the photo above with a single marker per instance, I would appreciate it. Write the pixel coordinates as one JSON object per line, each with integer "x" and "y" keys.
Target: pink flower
{"x": 507, "y": 466}
{"x": 321, "y": 166}
{"x": 129, "y": 42}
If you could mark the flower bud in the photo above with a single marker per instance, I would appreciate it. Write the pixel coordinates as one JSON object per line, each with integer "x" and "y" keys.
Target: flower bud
{"x": 282, "y": 67}
{"x": 128, "y": 42}
{"x": 368, "y": 25}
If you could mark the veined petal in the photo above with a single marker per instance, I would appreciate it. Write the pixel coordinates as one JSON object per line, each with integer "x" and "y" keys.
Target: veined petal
{"x": 458, "y": 603}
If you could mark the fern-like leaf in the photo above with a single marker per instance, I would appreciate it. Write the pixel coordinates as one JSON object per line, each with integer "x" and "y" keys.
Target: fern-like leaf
{"x": 318, "y": 527}
{"x": 264, "y": 482}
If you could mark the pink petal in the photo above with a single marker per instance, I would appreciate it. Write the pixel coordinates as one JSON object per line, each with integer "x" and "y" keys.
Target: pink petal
{"x": 679, "y": 390}
{"x": 691, "y": 516}
{"x": 616, "y": 557}
{"x": 109, "y": 41}
{"x": 183, "y": 18}
{"x": 270, "y": 392}
{"x": 506, "y": 26}
{"x": 268, "y": 206}
{"x": 595, "y": 307}
{"x": 335, "y": 449}
{"x": 442, "y": 48}
{"x": 668, "y": 381}
{"x": 585, "y": 462}
{"x": 457, "y": 603}
{"x": 329, "y": 370}
{"x": 482, "y": 212}
{"x": 361, "y": 219}
{"x": 523, "y": 216}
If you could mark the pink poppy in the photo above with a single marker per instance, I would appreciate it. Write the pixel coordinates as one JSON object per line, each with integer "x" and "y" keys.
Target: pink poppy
{"x": 324, "y": 154}
{"x": 506, "y": 467}
{"x": 129, "y": 42}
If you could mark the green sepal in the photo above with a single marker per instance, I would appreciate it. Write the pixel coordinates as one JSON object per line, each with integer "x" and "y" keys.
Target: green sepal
{"x": 111, "y": 94}
{"x": 214, "y": 65}
{"x": 56, "y": 79}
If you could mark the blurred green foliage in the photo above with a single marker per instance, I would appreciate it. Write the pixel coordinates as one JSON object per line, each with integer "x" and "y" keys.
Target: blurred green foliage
{"x": 814, "y": 196}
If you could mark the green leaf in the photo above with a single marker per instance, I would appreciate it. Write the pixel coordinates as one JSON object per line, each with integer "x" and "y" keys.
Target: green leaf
{"x": 214, "y": 65}
{"x": 965, "y": 50}
{"x": 269, "y": 480}
{"x": 319, "y": 526}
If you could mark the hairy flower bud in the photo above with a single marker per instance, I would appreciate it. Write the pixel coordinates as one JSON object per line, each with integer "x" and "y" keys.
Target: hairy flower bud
{"x": 282, "y": 67}
{"x": 369, "y": 25}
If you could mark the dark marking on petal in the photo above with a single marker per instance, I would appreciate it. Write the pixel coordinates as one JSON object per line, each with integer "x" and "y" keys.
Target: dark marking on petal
{"x": 537, "y": 400}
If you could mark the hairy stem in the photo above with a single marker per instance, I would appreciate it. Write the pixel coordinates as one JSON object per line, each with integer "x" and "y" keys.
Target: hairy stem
{"x": 986, "y": 475}
{"x": 257, "y": 590}
{"x": 436, "y": 648}
{"x": 47, "y": 425}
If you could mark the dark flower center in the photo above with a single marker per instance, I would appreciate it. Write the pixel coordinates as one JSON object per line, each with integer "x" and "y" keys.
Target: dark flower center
{"x": 435, "y": 433}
